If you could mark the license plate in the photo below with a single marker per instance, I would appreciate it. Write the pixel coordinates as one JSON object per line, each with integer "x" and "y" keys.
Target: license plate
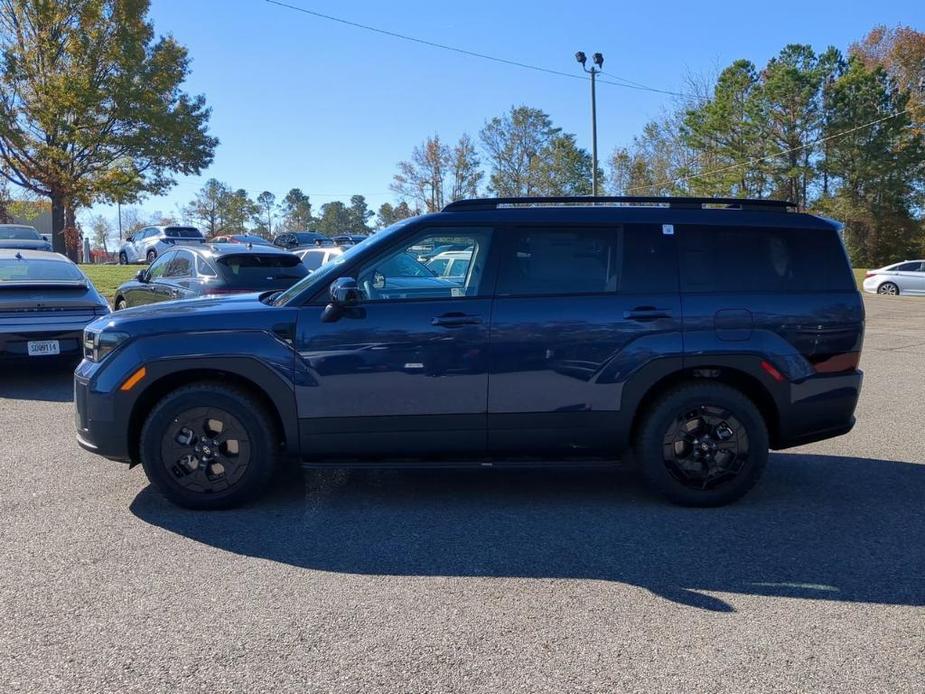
{"x": 43, "y": 348}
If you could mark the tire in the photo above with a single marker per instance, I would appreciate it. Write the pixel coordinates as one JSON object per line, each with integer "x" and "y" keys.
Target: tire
{"x": 150, "y": 256}
{"x": 888, "y": 288}
{"x": 123, "y": 259}
{"x": 120, "y": 303}
{"x": 727, "y": 472}
{"x": 193, "y": 483}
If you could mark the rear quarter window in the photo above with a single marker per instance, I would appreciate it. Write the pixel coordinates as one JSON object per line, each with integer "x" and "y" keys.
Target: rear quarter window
{"x": 257, "y": 269}
{"x": 750, "y": 259}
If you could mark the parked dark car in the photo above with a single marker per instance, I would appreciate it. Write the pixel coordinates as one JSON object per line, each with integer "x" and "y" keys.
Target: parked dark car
{"x": 252, "y": 239}
{"x": 22, "y": 237}
{"x": 696, "y": 333}
{"x": 345, "y": 240}
{"x": 302, "y": 239}
{"x": 227, "y": 268}
{"x": 45, "y": 304}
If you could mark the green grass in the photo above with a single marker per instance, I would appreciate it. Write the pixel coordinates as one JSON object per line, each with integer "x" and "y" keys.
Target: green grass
{"x": 859, "y": 275}
{"x": 107, "y": 278}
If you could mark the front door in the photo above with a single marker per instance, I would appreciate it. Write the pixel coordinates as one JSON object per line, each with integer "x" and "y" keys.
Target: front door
{"x": 579, "y": 310}
{"x": 405, "y": 372}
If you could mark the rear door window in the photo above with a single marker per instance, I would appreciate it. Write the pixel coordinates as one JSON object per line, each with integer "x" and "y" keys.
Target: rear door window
{"x": 181, "y": 266}
{"x": 736, "y": 259}
{"x": 632, "y": 258}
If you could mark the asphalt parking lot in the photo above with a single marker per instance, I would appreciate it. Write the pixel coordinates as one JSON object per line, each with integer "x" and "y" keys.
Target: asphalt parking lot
{"x": 473, "y": 581}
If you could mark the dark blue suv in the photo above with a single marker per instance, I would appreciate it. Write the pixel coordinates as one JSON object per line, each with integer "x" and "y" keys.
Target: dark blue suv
{"x": 689, "y": 336}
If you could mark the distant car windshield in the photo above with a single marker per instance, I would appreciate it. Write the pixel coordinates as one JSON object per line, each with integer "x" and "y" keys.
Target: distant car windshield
{"x": 32, "y": 270}
{"x": 326, "y": 272}
{"x": 19, "y": 234}
{"x": 260, "y": 270}
{"x": 182, "y": 233}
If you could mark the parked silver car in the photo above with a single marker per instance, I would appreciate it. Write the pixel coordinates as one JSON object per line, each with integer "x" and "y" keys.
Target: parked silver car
{"x": 907, "y": 277}
{"x": 146, "y": 244}
{"x": 23, "y": 237}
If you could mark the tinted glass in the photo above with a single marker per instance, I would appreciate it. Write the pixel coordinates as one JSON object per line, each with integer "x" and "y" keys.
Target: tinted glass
{"x": 312, "y": 260}
{"x": 729, "y": 259}
{"x": 261, "y": 271}
{"x": 182, "y": 233}
{"x": 204, "y": 267}
{"x": 19, "y": 233}
{"x": 12, "y": 270}
{"x": 908, "y": 267}
{"x": 181, "y": 265}
{"x": 399, "y": 274}
{"x": 157, "y": 269}
{"x": 649, "y": 259}
{"x": 554, "y": 261}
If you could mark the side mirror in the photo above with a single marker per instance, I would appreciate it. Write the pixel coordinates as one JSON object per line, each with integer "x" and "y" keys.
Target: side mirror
{"x": 142, "y": 276}
{"x": 344, "y": 292}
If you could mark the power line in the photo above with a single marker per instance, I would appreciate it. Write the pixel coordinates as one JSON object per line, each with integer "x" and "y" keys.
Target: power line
{"x": 627, "y": 84}
{"x": 781, "y": 153}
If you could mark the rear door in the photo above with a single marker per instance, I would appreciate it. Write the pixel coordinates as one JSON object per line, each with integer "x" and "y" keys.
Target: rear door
{"x": 787, "y": 294}
{"x": 578, "y": 311}
{"x": 910, "y": 277}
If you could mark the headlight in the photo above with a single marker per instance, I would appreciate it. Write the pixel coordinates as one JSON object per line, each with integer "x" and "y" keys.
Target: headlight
{"x": 98, "y": 344}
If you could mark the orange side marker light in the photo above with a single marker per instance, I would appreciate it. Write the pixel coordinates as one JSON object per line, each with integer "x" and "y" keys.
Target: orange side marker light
{"x": 133, "y": 380}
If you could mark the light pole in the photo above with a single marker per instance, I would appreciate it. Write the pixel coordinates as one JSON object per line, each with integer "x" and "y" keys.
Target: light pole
{"x": 593, "y": 71}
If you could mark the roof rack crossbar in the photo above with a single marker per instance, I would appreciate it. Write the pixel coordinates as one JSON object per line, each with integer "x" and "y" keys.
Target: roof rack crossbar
{"x": 750, "y": 204}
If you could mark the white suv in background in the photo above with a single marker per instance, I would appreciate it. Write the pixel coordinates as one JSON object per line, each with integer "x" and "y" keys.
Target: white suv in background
{"x": 146, "y": 244}
{"x": 907, "y": 277}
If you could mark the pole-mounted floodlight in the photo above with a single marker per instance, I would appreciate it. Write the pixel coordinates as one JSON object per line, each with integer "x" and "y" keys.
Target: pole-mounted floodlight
{"x": 598, "y": 59}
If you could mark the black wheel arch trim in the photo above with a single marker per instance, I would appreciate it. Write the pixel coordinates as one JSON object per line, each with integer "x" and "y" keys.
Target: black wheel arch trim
{"x": 165, "y": 374}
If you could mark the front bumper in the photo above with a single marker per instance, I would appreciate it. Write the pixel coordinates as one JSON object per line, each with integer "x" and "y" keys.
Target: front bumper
{"x": 101, "y": 427}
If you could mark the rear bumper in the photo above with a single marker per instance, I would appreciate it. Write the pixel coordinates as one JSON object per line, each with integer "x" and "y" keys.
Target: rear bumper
{"x": 14, "y": 344}
{"x": 820, "y": 407}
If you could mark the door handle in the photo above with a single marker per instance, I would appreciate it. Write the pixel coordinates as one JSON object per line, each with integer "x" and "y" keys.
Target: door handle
{"x": 644, "y": 313}
{"x": 455, "y": 320}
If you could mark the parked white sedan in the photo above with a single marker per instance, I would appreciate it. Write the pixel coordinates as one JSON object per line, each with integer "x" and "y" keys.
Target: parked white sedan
{"x": 314, "y": 258}
{"x": 907, "y": 277}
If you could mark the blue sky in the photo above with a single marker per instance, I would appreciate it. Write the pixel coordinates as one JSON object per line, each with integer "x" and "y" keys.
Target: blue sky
{"x": 304, "y": 102}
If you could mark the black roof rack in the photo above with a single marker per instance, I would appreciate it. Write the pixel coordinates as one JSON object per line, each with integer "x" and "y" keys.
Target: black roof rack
{"x": 672, "y": 202}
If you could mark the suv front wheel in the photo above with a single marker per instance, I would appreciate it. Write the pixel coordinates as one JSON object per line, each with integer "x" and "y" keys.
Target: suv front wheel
{"x": 208, "y": 446}
{"x": 702, "y": 444}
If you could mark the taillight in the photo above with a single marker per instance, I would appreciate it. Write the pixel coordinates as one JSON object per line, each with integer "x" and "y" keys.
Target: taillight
{"x": 869, "y": 273}
{"x": 838, "y": 363}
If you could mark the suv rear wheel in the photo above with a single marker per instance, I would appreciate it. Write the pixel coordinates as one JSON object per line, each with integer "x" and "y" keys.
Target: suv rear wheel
{"x": 208, "y": 446}
{"x": 702, "y": 444}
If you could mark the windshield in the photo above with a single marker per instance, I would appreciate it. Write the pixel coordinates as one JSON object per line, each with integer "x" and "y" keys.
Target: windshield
{"x": 329, "y": 270}
{"x": 15, "y": 270}
{"x": 19, "y": 233}
{"x": 182, "y": 233}
{"x": 259, "y": 270}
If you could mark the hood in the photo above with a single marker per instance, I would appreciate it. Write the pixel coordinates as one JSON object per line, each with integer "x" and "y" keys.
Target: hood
{"x": 26, "y": 244}
{"x": 227, "y": 312}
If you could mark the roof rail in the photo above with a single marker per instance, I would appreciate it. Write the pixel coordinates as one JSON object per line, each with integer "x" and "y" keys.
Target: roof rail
{"x": 672, "y": 202}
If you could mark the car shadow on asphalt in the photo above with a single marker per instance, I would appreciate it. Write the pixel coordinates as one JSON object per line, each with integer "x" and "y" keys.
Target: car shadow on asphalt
{"x": 51, "y": 381}
{"x": 818, "y": 527}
